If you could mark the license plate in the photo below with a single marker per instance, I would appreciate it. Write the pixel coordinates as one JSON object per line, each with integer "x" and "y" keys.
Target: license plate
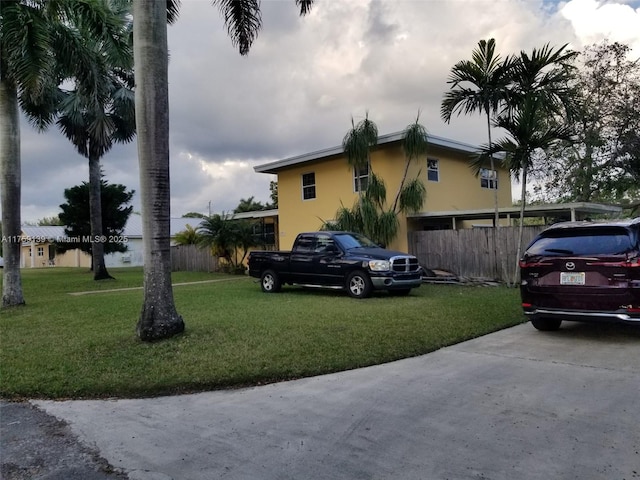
{"x": 572, "y": 278}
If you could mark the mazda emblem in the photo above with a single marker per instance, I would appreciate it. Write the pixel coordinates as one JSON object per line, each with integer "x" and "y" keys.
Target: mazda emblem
{"x": 570, "y": 266}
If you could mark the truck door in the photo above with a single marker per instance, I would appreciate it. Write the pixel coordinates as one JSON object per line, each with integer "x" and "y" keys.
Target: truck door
{"x": 302, "y": 258}
{"x": 326, "y": 260}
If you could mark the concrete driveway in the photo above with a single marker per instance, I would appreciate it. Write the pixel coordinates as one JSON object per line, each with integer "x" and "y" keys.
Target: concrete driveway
{"x": 516, "y": 404}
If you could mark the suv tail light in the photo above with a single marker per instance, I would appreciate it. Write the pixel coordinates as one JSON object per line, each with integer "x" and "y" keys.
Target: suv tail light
{"x": 525, "y": 264}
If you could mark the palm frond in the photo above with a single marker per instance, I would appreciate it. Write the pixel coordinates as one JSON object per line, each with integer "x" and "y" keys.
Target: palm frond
{"x": 412, "y": 196}
{"x": 376, "y": 190}
{"x": 243, "y": 21}
{"x": 386, "y": 228}
{"x": 305, "y": 6}
{"x": 359, "y": 140}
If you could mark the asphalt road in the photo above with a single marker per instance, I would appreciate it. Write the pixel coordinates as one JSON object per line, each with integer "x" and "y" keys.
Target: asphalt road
{"x": 516, "y": 404}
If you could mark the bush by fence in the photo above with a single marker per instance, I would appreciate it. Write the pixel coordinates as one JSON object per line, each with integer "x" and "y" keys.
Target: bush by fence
{"x": 469, "y": 252}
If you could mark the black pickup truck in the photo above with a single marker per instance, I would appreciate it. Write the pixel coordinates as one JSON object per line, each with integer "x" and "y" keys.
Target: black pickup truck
{"x": 340, "y": 260}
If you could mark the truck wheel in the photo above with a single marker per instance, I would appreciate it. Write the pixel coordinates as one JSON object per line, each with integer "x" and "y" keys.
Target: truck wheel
{"x": 269, "y": 282}
{"x": 359, "y": 285}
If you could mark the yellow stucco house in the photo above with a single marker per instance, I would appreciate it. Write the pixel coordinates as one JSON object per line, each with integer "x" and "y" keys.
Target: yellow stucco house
{"x": 311, "y": 187}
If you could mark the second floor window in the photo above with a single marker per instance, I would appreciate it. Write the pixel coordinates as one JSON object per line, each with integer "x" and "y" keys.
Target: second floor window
{"x": 433, "y": 174}
{"x": 488, "y": 178}
{"x": 360, "y": 177}
{"x": 309, "y": 186}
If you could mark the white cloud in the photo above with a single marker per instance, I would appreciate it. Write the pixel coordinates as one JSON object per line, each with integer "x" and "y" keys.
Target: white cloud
{"x": 593, "y": 20}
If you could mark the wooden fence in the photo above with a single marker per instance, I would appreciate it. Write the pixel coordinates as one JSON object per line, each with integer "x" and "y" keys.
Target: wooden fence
{"x": 190, "y": 258}
{"x": 470, "y": 252}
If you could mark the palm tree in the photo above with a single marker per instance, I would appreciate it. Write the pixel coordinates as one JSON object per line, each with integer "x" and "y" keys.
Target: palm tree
{"x": 371, "y": 215}
{"x": 94, "y": 124}
{"x": 540, "y": 97}
{"x": 41, "y": 45}
{"x": 226, "y": 237}
{"x": 414, "y": 144}
{"x": 188, "y": 236}
{"x": 159, "y": 318}
{"x": 357, "y": 144}
{"x": 480, "y": 85}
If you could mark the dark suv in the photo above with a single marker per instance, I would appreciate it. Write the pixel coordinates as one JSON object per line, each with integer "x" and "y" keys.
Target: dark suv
{"x": 582, "y": 271}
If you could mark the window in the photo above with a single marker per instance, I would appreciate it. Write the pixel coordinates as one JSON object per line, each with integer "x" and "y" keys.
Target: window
{"x": 488, "y": 178}
{"x": 309, "y": 186}
{"x": 305, "y": 244}
{"x": 324, "y": 243}
{"x": 40, "y": 251}
{"x": 360, "y": 177}
{"x": 432, "y": 170}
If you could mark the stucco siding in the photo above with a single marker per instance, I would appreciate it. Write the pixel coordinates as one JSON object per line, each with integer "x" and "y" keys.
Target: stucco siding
{"x": 457, "y": 188}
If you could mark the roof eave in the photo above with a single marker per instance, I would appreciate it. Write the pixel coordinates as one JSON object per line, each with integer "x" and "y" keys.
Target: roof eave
{"x": 434, "y": 140}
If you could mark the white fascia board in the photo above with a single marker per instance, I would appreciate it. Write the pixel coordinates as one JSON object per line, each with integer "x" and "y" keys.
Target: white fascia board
{"x": 433, "y": 140}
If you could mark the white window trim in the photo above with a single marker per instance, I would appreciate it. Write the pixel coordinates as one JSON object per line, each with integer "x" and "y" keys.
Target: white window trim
{"x": 303, "y": 186}
{"x": 437, "y": 169}
{"x": 356, "y": 176}
{"x": 492, "y": 181}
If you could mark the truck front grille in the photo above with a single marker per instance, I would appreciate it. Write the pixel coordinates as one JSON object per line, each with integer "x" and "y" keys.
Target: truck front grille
{"x": 404, "y": 264}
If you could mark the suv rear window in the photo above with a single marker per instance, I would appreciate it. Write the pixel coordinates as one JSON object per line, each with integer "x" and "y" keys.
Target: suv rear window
{"x": 584, "y": 241}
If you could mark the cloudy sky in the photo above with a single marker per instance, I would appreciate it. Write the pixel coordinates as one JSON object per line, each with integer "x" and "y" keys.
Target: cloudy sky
{"x": 303, "y": 81}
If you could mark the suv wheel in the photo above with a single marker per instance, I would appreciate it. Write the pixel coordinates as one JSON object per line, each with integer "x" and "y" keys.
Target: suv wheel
{"x": 546, "y": 324}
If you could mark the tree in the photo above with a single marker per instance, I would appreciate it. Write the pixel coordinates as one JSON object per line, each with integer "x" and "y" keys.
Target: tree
{"x": 188, "y": 236}
{"x": 228, "y": 238}
{"x": 540, "y": 99}
{"x": 598, "y": 165}
{"x": 273, "y": 194}
{"x": 357, "y": 144}
{"x": 49, "y": 221}
{"x": 159, "y": 318}
{"x": 193, "y": 215}
{"x": 76, "y": 216}
{"x": 370, "y": 214}
{"x": 40, "y": 47}
{"x": 480, "y": 85}
{"x": 94, "y": 123}
{"x": 248, "y": 205}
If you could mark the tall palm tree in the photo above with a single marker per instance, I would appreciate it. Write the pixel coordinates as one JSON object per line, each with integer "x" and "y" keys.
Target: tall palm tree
{"x": 94, "y": 124}
{"x": 159, "y": 318}
{"x": 41, "y": 45}
{"x": 371, "y": 214}
{"x": 480, "y": 85}
{"x": 414, "y": 144}
{"x": 540, "y": 98}
{"x": 357, "y": 145}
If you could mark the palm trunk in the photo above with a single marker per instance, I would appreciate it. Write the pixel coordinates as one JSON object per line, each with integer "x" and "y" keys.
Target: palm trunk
{"x": 95, "y": 208}
{"x": 10, "y": 179}
{"x": 523, "y": 198}
{"x": 402, "y": 182}
{"x": 159, "y": 318}
{"x": 500, "y": 260}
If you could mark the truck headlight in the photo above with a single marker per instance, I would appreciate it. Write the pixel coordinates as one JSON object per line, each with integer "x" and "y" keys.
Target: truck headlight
{"x": 379, "y": 265}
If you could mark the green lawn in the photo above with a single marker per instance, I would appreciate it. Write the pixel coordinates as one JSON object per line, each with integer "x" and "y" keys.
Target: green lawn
{"x": 84, "y": 346}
